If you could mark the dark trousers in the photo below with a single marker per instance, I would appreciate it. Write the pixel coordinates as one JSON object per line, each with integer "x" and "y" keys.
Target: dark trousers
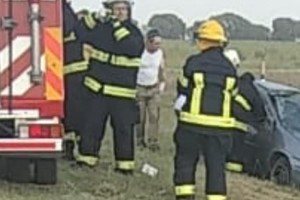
{"x": 75, "y": 110}
{"x": 123, "y": 115}
{"x": 236, "y": 158}
{"x": 189, "y": 145}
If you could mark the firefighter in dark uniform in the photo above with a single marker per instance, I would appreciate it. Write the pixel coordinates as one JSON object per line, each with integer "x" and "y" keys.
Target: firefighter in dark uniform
{"x": 114, "y": 63}
{"x": 205, "y": 122}
{"x": 76, "y": 65}
{"x": 237, "y": 162}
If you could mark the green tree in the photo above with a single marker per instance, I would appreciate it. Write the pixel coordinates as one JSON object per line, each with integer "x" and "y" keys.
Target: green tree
{"x": 169, "y": 25}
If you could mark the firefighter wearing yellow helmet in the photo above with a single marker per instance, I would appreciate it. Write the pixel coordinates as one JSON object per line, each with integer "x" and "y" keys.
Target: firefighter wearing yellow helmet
{"x": 206, "y": 92}
{"x": 116, "y": 46}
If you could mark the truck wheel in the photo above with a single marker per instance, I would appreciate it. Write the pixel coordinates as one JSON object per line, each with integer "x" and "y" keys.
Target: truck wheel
{"x": 46, "y": 171}
{"x": 281, "y": 171}
{"x": 3, "y": 168}
{"x": 18, "y": 170}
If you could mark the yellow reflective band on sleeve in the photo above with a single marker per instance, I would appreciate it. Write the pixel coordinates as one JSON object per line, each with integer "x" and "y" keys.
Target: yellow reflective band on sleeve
{"x": 230, "y": 83}
{"x": 70, "y": 38}
{"x": 110, "y": 90}
{"x": 197, "y": 93}
{"x": 92, "y": 84}
{"x": 76, "y": 67}
{"x": 234, "y": 167}
{"x": 120, "y": 61}
{"x": 125, "y": 165}
{"x": 119, "y": 91}
{"x": 121, "y": 33}
{"x": 216, "y": 197}
{"x": 123, "y": 61}
{"x": 212, "y": 121}
{"x": 185, "y": 190}
{"x": 90, "y": 21}
{"x": 88, "y": 160}
{"x": 183, "y": 81}
{"x": 99, "y": 55}
{"x": 243, "y": 102}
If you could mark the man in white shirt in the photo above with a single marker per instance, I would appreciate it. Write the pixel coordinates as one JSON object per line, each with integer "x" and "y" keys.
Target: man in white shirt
{"x": 151, "y": 83}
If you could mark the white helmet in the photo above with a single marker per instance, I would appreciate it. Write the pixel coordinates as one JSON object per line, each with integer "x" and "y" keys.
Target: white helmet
{"x": 107, "y": 3}
{"x": 233, "y": 56}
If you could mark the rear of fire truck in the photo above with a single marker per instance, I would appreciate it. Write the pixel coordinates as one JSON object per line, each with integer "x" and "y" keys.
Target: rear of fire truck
{"x": 31, "y": 84}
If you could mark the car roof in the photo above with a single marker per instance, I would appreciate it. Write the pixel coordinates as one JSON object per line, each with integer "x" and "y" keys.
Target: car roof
{"x": 276, "y": 87}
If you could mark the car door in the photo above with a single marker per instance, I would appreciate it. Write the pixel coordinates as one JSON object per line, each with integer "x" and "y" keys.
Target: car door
{"x": 259, "y": 144}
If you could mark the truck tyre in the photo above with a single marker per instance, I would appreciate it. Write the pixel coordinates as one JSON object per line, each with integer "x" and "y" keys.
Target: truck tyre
{"x": 18, "y": 170}
{"x": 281, "y": 171}
{"x": 46, "y": 171}
{"x": 3, "y": 168}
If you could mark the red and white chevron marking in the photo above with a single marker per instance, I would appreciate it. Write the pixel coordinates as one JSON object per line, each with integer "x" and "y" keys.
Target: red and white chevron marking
{"x": 21, "y": 67}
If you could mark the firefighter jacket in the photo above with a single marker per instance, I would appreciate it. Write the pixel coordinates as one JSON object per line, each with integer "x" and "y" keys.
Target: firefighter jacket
{"x": 74, "y": 61}
{"x": 209, "y": 83}
{"x": 247, "y": 89}
{"x": 115, "y": 56}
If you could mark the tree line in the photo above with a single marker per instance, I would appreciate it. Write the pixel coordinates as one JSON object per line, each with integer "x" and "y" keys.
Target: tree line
{"x": 239, "y": 28}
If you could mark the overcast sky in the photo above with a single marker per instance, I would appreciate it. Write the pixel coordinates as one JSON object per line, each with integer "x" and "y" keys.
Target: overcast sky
{"x": 258, "y": 11}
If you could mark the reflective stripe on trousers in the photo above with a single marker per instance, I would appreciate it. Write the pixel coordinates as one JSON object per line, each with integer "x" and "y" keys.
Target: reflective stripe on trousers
{"x": 234, "y": 167}
{"x": 125, "y": 165}
{"x": 185, "y": 190}
{"x": 88, "y": 160}
{"x": 216, "y": 197}
{"x": 116, "y": 91}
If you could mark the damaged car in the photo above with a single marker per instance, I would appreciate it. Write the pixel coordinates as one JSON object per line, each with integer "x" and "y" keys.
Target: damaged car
{"x": 274, "y": 151}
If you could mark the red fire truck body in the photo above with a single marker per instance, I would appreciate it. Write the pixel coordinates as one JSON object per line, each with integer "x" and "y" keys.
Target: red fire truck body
{"x": 31, "y": 89}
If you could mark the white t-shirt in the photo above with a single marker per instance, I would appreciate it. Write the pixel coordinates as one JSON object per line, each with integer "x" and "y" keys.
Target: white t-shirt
{"x": 149, "y": 70}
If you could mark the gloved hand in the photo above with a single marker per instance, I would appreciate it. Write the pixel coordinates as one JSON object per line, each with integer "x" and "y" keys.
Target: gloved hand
{"x": 179, "y": 103}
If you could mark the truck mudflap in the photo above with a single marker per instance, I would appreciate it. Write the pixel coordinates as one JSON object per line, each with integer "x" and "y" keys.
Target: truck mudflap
{"x": 31, "y": 145}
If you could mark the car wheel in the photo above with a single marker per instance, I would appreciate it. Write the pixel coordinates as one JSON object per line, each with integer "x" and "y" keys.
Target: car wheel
{"x": 281, "y": 171}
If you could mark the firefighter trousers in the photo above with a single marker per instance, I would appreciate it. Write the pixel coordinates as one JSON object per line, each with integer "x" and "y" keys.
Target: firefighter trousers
{"x": 214, "y": 148}
{"x": 235, "y": 159}
{"x": 75, "y": 108}
{"x": 123, "y": 116}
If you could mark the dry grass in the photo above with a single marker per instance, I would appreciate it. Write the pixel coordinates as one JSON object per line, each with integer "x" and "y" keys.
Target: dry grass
{"x": 103, "y": 184}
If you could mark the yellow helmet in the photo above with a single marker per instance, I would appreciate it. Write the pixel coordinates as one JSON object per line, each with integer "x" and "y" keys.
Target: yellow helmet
{"x": 212, "y": 30}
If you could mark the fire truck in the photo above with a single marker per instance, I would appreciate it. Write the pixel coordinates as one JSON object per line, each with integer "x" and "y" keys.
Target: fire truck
{"x": 31, "y": 90}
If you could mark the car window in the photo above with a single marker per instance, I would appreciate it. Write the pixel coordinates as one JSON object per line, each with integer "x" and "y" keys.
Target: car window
{"x": 289, "y": 111}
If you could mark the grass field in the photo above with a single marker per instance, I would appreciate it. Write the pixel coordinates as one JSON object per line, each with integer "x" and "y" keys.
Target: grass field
{"x": 102, "y": 183}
